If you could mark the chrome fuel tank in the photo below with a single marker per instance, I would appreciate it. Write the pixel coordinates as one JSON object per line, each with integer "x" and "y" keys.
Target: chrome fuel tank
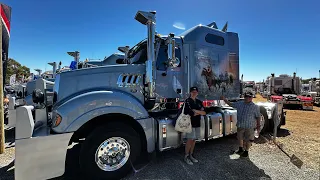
{"x": 169, "y": 138}
{"x": 215, "y": 125}
{"x": 230, "y": 121}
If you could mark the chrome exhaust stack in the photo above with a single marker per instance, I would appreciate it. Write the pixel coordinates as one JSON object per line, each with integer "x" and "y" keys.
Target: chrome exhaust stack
{"x": 39, "y": 71}
{"x": 149, "y": 19}
{"x": 272, "y": 83}
{"x": 54, "y": 69}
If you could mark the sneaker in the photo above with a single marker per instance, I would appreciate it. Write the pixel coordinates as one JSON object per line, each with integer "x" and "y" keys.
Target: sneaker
{"x": 187, "y": 160}
{"x": 239, "y": 152}
{"x": 245, "y": 154}
{"x": 193, "y": 159}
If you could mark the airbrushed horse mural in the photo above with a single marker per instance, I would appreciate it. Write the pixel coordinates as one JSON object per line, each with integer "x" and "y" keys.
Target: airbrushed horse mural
{"x": 213, "y": 76}
{"x": 223, "y": 81}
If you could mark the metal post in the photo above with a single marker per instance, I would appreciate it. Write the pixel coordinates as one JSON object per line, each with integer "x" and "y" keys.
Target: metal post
{"x": 275, "y": 122}
{"x": 2, "y": 138}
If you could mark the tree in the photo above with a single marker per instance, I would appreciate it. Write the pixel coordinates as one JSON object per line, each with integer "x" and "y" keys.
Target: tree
{"x": 15, "y": 67}
{"x": 306, "y": 81}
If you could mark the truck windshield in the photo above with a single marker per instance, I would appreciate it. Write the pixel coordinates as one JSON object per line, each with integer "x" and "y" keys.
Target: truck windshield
{"x": 249, "y": 86}
{"x": 138, "y": 53}
{"x": 163, "y": 57}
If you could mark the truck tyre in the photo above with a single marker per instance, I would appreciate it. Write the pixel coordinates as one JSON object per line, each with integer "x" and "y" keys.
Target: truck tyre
{"x": 264, "y": 122}
{"x": 283, "y": 119}
{"x": 108, "y": 151}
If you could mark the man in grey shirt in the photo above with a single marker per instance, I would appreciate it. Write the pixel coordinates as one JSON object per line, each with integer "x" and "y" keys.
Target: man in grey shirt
{"x": 248, "y": 118}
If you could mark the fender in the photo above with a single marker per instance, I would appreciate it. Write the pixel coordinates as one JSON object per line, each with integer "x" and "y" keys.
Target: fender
{"x": 269, "y": 106}
{"x": 82, "y": 108}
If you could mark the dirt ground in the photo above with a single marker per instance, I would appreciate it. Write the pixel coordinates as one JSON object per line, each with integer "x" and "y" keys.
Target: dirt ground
{"x": 301, "y": 135}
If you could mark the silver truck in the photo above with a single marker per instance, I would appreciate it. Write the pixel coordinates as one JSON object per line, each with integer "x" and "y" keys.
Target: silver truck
{"x": 121, "y": 112}
{"x": 23, "y": 94}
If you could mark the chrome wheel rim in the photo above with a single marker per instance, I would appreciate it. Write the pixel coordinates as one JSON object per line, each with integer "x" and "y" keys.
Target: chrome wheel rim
{"x": 262, "y": 121}
{"x": 112, "y": 154}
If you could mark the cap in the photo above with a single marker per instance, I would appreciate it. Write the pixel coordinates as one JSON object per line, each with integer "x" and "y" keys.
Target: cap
{"x": 248, "y": 94}
{"x": 193, "y": 88}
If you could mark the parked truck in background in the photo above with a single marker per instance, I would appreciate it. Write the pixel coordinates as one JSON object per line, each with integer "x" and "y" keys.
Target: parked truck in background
{"x": 305, "y": 88}
{"x": 260, "y": 87}
{"x": 250, "y": 86}
{"x": 23, "y": 92}
{"x": 287, "y": 89}
{"x": 314, "y": 90}
{"x": 118, "y": 113}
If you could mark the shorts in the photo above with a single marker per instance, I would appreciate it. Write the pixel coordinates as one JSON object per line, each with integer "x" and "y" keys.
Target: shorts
{"x": 245, "y": 134}
{"x": 195, "y": 134}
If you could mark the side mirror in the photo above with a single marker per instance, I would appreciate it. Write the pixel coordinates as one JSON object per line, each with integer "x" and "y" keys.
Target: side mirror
{"x": 172, "y": 60}
{"x": 124, "y": 50}
{"x": 174, "y": 63}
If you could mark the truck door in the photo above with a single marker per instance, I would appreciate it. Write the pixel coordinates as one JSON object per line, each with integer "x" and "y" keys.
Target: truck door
{"x": 169, "y": 81}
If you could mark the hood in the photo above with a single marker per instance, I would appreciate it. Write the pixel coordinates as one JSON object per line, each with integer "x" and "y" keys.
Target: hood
{"x": 88, "y": 79}
{"x": 111, "y": 60}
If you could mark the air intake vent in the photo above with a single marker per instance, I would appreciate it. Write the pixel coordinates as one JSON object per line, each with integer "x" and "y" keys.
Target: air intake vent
{"x": 128, "y": 80}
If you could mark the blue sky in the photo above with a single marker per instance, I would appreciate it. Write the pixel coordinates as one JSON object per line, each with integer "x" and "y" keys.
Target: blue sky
{"x": 279, "y": 36}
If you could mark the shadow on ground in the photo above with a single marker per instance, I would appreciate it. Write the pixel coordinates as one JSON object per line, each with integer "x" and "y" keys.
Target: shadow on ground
{"x": 9, "y": 136}
{"x": 5, "y": 173}
{"x": 214, "y": 157}
{"x": 283, "y": 132}
{"x": 267, "y": 137}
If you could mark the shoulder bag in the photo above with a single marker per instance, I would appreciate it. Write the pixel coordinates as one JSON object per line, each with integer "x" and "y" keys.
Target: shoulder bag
{"x": 183, "y": 123}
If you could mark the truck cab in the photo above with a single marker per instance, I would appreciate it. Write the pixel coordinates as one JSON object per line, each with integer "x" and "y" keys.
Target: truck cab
{"x": 287, "y": 89}
{"x": 250, "y": 86}
{"x": 121, "y": 112}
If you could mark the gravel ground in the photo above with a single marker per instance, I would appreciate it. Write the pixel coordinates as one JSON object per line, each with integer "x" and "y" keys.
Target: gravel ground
{"x": 7, "y": 159}
{"x": 266, "y": 161}
{"x": 300, "y": 135}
